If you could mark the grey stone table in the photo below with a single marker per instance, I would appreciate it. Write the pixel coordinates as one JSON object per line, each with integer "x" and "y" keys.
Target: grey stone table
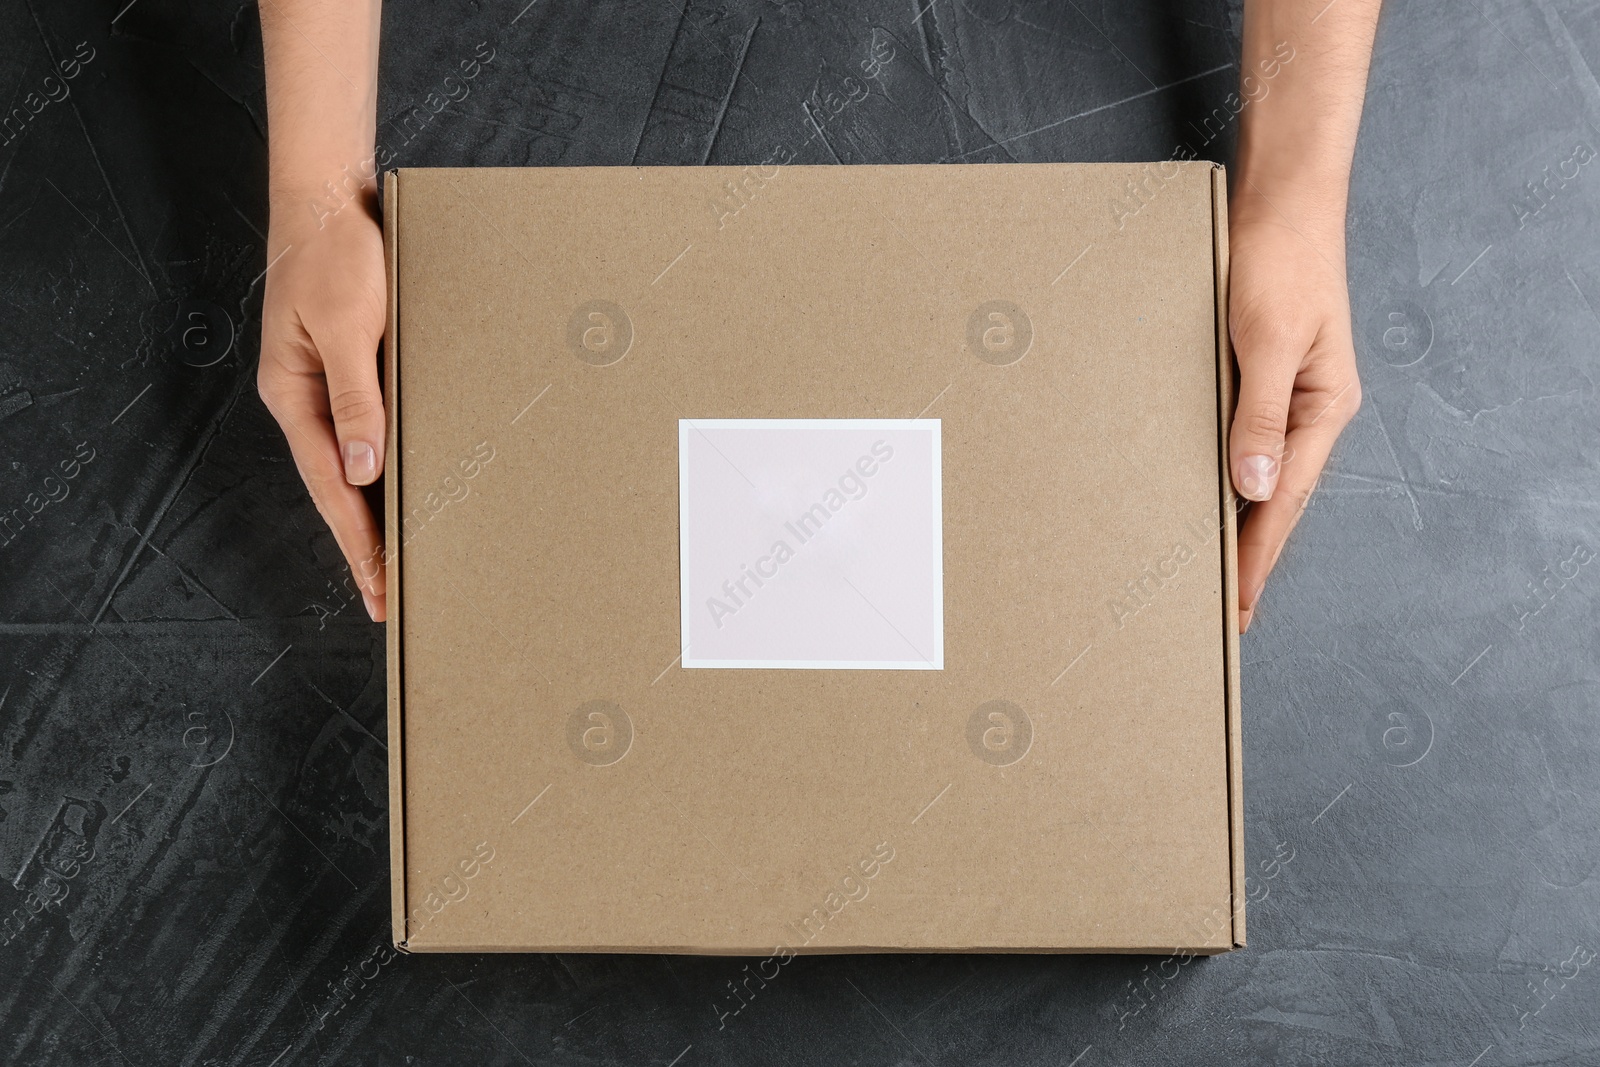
{"x": 192, "y": 710}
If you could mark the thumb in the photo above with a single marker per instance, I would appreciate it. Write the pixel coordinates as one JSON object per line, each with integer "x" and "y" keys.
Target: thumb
{"x": 350, "y": 364}
{"x": 1255, "y": 444}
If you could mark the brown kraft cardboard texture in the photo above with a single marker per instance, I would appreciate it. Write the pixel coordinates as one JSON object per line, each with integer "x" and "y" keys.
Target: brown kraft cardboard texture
{"x": 1070, "y": 780}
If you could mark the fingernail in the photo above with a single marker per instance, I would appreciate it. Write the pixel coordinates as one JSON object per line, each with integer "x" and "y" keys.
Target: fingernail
{"x": 360, "y": 463}
{"x": 372, "y": 608}
{"x": 1258, "y": 477}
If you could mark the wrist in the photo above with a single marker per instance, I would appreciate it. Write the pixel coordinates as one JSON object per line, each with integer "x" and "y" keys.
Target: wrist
{"x": 312, "y": 195}
{"x": 1287, "y": 166}
{"x": 1312, "y": 202}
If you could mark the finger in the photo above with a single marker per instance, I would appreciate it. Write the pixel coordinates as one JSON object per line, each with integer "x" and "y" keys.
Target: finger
{"x": 300, "y": 404}
{"x": 1267, "y": 372}
{"x": 344, "y": 509}
{"x": 350, "y": 363}
{"x": 1269, "y": 523}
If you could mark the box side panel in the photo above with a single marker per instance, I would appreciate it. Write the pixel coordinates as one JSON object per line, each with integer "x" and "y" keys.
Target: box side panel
{"x": 758, "y": 950}
{"x": 1230, "y": 555}
{"x": 391, "y": 505}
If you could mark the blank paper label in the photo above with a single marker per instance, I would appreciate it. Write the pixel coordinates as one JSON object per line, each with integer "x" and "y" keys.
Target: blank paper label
{"x": 811, "y": 543}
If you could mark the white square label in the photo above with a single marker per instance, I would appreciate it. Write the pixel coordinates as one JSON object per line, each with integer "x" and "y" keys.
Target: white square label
{"x": 811, "y": 543}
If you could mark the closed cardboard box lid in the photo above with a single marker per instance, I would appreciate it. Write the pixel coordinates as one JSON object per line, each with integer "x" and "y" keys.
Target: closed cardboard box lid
{"x": 1064, "y": 776}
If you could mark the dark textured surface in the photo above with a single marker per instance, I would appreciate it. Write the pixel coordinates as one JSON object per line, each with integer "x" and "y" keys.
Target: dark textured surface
{"x": 192, "y": 718}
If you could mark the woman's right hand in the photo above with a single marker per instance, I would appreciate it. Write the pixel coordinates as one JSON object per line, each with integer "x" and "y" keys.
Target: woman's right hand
{"x": 321, "y": 323}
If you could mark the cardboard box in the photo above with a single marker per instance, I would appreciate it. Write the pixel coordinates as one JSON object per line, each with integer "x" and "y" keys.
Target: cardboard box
{"x": 568, "y": 346}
